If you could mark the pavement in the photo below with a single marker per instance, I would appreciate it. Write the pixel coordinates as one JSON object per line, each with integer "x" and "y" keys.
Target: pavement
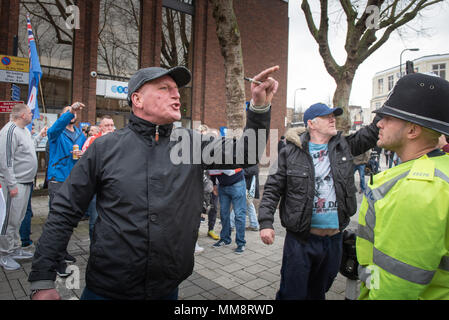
{"x": 219, "y": 273}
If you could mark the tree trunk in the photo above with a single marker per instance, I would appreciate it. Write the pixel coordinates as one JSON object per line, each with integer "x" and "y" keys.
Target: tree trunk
{"x": 229, "y": 38}
{"x": 341, "y": 99}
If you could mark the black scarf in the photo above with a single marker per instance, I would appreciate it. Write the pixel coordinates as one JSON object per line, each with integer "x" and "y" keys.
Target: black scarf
{"x": 147, "y": 129}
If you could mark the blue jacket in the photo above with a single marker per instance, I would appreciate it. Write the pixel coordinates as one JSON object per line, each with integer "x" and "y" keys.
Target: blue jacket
{"x": 61, "y": 162}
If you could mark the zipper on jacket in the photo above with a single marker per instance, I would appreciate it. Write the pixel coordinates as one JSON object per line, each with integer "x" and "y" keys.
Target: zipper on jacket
{"x": 157, "y": 134}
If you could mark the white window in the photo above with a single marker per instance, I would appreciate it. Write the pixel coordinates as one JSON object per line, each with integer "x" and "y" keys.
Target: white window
{"x": 380, "y": 86}
{"x": 439, "y": 70}
{"x": 390, "y": 82}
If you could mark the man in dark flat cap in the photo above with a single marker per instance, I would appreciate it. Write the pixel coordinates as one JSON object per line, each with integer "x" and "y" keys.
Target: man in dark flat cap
{"x": 402, "y": 238}
{"x": 148, "y": 206}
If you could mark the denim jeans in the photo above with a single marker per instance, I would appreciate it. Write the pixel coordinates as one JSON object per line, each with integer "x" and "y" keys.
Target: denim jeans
{"x": 90, "y": 295}
{"x": 25, "y": 227}
{"x": 251, "y": 212}
{"x": 235, "y": 195}
{"x": 93, "y": 215}
{"x": 361, "y": 169}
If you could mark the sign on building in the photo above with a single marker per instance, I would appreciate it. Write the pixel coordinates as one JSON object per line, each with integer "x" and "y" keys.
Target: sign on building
{"x": 112, "y": 89}
{"x": 14, "y": 69}
{"x": 6, "y": 106}
{"x": 15, "y": 92}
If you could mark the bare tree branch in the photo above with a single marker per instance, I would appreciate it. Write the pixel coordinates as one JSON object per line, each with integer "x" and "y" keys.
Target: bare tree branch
{"x": 321, "y": 36}
{"x": 361, "y": 41}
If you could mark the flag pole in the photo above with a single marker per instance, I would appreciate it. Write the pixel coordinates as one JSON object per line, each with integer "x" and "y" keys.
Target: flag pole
{"x": 40, "y": 81}
{"x": 42, "y": 96}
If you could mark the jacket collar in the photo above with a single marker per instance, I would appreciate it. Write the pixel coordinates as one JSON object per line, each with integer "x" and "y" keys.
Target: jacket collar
{"x": 148, "y": 130}
{"x": 300, "y": 137}
{"x": 296, "y": 136}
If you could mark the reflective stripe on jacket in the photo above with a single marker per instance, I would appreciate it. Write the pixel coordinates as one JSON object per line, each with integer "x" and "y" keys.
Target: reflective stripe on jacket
{"x": 403, "y": 236}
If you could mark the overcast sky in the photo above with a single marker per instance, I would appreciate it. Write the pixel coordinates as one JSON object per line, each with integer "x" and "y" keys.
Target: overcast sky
{"x": 306, "y": 69}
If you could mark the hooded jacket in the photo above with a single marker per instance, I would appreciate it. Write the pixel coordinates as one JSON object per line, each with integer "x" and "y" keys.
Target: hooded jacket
{"x": 149, "y": 202}
{"x": 293, "y": 184}
{"x": 61, "y": 144}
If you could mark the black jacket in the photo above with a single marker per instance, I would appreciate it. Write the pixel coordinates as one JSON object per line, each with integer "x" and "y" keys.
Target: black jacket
{"x": 294, "y": 182}
{"x": 148, "y": 209}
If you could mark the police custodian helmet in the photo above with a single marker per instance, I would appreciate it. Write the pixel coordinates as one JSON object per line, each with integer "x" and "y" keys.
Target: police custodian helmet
{"x": 422, "y": 99}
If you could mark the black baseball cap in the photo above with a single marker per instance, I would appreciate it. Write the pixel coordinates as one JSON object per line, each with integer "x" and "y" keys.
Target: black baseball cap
{"x": 180, "y": 75}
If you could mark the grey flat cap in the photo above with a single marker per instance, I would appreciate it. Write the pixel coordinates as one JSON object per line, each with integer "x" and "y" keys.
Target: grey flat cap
{"x": 180, "y": 75}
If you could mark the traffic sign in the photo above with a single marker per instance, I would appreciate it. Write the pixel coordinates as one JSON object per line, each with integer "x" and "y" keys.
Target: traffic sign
{"x": 14, "y": 69}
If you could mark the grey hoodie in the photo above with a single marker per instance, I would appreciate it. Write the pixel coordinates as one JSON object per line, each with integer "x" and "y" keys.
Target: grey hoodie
{"x": 18, "y": 161}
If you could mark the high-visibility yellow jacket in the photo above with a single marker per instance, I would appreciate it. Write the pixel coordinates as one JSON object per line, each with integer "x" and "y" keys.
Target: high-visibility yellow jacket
{"x": 403, "y": 234}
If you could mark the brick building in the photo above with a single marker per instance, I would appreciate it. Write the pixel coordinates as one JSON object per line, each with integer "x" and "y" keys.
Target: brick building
{"x": 114, "y": 39}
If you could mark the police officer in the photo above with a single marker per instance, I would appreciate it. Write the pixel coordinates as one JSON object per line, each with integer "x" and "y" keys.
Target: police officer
{"x": 402, "y": 238}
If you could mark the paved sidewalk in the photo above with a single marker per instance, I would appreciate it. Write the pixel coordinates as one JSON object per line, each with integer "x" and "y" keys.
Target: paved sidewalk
{"x": 219, "y": 274}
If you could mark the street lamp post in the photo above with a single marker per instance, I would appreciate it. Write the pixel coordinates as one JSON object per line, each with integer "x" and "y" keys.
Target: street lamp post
{"x": 294, "y": 97}
{"x": 400, "y": 59}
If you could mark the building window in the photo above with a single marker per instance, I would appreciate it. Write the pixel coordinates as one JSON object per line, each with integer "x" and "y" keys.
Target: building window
{"x": 118, "y": 37}
{"x": 390, "y": 82}
{"x": 118, "y": 53}
{"x": 177, "y": 47}
{"x": 54, "y": 42}
{"x": 380, "y": 86}
{"x": 439, "y": 70}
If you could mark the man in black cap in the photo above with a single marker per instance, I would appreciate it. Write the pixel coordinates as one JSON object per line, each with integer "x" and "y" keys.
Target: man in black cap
{"x": 314, "y": 183}
{"x": 148, "y": 207}
{"x": 402, "y": 238}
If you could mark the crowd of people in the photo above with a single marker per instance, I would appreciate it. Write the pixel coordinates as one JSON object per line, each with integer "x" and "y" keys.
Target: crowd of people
{"x": 145, "y": 211}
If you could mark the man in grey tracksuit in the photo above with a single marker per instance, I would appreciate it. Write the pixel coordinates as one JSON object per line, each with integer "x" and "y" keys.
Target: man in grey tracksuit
{"x": 18, "y": 167}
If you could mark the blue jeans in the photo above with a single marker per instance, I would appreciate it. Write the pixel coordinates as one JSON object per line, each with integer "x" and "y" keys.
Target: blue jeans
{"x": 252, "y": 215}
{"x": 361, "y": 169}
{"x": 309, "y": 268}
{"x": 90, "y": 295}
{"x": 25, "y": 227}
{"x": 235, "y": 195}
{"x": 93, "y": 215}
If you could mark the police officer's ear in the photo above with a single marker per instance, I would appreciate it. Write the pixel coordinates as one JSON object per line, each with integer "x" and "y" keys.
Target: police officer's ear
{"x": 413, "y": 130}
